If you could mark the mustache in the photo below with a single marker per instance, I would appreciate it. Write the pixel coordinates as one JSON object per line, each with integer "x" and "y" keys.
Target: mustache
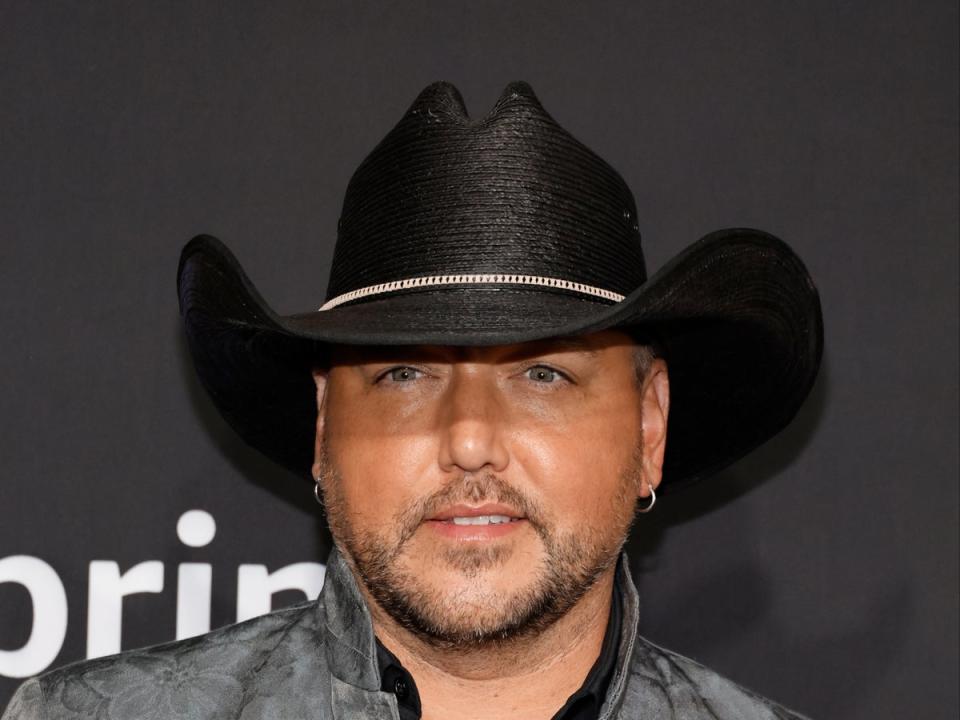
{"x": 469, "y": 489}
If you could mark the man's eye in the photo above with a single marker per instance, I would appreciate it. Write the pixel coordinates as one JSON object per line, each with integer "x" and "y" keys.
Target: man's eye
{"x": 543, "y": 374}
{"x": 401, "y": 374}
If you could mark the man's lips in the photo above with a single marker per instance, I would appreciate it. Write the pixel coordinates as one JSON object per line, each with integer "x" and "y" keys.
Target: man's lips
{"x": 475, "y": 523}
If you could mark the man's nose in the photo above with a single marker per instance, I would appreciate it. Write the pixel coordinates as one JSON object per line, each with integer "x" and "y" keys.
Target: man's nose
{"x": 472, "y": 425}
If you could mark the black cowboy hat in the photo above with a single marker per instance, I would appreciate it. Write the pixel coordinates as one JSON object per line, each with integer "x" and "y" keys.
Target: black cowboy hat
{"x": 503, "y": 230}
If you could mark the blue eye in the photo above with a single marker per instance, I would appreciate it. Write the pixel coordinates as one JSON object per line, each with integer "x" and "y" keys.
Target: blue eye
{"x": 542, "y": 374}
{"x": 402, "y": 374}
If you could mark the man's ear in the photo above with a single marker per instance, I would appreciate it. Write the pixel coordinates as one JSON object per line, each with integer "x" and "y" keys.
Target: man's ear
{"x": 656, "y": 406}
{"x": 320, "y": 380}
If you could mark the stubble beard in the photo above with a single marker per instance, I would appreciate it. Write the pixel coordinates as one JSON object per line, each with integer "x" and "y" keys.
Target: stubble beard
{"x": 572, "y": 563}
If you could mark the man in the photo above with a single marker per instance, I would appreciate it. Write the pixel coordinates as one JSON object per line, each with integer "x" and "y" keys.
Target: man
{"x": 483, "y": 402}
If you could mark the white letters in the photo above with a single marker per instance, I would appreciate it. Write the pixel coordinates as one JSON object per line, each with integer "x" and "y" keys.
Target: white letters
{"x": 255, "y": 585}
{"x": 107, "y": 588}
{"x": 195, "y": 528}
{"x": 49, "y": 615}
{"x": 193, "y": 599}
{"x": 105, "y": 605}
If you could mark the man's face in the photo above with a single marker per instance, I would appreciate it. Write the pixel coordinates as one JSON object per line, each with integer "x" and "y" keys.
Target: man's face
{"x": 478, "y": 493}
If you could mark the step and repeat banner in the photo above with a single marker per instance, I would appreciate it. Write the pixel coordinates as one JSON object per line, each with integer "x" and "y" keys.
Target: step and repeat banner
{"x": 821, "y": 570}
{"x": 108, "y": 587}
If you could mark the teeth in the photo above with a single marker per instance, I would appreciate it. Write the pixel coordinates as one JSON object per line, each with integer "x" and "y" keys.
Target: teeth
{"x": 481, "y": 520}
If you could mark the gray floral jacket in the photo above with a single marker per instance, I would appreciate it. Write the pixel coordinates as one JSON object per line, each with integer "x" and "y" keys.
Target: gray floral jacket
{"x": 318, "y": 660}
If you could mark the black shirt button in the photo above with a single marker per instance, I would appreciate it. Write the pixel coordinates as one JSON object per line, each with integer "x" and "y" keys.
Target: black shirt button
{"x": 400, "y": 688}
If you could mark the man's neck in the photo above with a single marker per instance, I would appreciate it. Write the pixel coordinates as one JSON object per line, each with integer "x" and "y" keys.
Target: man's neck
{"x": 530, "y": 678}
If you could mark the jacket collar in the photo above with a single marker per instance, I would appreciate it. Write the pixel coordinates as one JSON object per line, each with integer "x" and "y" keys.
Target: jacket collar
{"x": 350, "y": 643}
{"x": 629, "y": 622}
{"x": 352, "y": 652}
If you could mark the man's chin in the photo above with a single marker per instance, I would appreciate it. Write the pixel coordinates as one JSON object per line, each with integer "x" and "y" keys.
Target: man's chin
{"x": 489, "y": 562}
{"x": 471, "y": 615}
{"x": 472, "y": 599}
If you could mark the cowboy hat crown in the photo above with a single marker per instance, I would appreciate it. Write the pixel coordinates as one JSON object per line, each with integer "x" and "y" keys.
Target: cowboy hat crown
{"x": 511, "y": 194}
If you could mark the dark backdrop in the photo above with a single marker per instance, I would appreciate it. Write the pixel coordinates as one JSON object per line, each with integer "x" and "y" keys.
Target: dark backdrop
{"x": 821, "y": 570}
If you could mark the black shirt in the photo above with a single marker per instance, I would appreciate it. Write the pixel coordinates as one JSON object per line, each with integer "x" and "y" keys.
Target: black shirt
{"x": 584, "y": 704}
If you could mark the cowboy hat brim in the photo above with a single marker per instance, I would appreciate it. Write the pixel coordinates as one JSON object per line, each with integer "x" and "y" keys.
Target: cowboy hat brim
{"x": 736, "y": 313}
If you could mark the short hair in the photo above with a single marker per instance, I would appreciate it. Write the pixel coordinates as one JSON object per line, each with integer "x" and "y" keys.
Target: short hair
{"x": 644, "y": 353}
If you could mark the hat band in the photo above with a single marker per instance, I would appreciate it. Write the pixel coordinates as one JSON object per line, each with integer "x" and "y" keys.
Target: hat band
{"x": 486, "y": 279}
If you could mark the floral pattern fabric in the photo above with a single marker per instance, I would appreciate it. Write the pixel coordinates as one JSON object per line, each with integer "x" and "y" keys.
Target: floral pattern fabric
{"x": 317, "y": 660}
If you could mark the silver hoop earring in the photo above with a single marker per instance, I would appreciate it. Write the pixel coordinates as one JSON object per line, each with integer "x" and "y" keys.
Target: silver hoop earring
{"x": 653, "y": 500}
{"x": 316, "y": 491}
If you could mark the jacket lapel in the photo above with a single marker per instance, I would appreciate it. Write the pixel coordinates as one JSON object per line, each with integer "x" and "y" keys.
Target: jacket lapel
{"x": 351, "y": 648}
